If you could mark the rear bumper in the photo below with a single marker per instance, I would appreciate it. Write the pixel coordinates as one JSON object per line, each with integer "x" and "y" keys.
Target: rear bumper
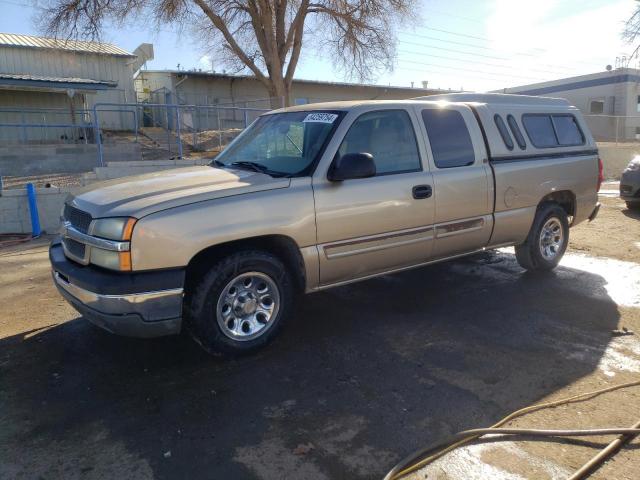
{"x": 630, "y": 186}
{"x": 125, "y": 304}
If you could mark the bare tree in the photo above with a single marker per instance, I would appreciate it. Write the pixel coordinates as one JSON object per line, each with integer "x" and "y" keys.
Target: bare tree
{"x": 262, "y": 36}
{"x": 631, "y": 31}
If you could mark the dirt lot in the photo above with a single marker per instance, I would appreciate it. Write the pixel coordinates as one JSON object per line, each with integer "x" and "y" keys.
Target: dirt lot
{"x": 364, "y": 375}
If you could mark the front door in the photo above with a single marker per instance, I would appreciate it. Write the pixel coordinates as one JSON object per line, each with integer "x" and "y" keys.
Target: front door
{"x": 371, "y": 225}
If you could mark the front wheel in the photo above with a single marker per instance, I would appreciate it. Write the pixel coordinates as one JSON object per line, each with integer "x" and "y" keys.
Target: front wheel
{"x": 547, "y": 240}
{"x": 240, "y": 304}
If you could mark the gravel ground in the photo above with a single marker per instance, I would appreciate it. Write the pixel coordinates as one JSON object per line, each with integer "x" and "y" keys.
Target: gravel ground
{"x": 362, "y": 376}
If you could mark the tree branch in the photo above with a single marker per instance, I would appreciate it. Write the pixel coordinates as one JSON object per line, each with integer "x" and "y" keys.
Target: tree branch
{"x": 222, "y": 27}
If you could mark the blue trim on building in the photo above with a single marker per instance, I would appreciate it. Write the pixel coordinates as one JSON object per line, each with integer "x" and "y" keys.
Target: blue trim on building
{"x": 53, "y": 85}
{"x": 581, "y": 84}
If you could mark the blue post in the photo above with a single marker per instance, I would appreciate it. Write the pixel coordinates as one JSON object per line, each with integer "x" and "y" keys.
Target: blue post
{"x": 178, "y": 127}
{"x": 96, "y": 130}
{"x": 33, "y": 210}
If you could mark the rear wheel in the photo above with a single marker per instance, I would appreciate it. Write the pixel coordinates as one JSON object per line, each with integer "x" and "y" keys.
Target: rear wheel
{"x": 547, "y": 240}
{"x": 240, "y": 304}
{"x": 633, "y": 205}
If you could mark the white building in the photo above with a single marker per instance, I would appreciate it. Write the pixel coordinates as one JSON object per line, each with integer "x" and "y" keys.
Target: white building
{"x": 610, "y": 100}
{"x": 52, "y": 81}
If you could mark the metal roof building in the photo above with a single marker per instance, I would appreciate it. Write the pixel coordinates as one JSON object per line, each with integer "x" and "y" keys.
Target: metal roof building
{"x": 206, "y": 88}
{"x": 57, "y": 81}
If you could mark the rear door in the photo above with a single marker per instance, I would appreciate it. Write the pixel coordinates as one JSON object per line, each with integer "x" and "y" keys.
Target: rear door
{"x": 462, "y": 179}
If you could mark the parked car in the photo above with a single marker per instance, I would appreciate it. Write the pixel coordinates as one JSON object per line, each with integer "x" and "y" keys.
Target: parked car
{"x": 630, "y": 184}
{"x": 315, "y": 196}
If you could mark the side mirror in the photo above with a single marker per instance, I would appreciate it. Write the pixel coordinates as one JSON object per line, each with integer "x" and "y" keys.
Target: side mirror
{"x": 352, "y": 165}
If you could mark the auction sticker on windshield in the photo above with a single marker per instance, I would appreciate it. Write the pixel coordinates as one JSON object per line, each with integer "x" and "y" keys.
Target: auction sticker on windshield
{"x": 321, "y": 117}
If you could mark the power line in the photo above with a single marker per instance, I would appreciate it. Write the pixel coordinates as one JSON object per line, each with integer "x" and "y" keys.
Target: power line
{"x": 439, "y": 72}
{"x": 423, "y": 45}
{"x": 470, "y": 70}
{"x": 483, "y": 47}
{"x": 474, "y": 61}
{"x": 494, "y": 65}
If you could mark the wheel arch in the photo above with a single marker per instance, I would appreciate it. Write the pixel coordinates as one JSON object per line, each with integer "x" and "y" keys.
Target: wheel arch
{"x": 565, "y": 198}
{"x": 282, "y": 246}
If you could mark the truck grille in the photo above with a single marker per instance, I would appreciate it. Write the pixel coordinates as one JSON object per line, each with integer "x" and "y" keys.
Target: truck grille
{"x": 75, "y": 248}
{"x": 79, "y": 220}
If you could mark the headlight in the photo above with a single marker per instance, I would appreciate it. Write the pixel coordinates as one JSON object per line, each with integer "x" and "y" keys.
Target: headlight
{"x": 118, "y": 229}
{"x": 633, "y": 165}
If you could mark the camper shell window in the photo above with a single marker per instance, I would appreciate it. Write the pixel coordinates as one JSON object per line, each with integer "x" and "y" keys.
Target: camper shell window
{"x": 515, "y": 129}
{"x": 504, "y": 133}
{"x": 548, "y": 131}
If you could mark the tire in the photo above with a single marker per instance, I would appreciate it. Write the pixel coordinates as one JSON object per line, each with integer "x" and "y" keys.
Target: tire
{"x": 547, "y": 240}
{"x": 240, "y": 304}
{"x": 633, "y": 206}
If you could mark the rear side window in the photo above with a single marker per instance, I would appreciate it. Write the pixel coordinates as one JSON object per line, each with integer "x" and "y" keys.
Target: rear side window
{"x": 540, "y": 130}
{"x": 449, "y": 138}
{"x": 517, "y": 134}
{"x": 560, "y": 130}
{"x": 567, "y": 130}
{"x": 504, "y": 133}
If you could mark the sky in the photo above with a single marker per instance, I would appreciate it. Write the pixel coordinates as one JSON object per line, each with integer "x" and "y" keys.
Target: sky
{"x": 454, "y": 44}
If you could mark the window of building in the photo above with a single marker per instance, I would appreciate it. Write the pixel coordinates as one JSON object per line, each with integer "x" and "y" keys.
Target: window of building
{"x": 540, "y": 130}
{"x": 449, "y": 137}
{"x": 638, "y": 104}
{"x": 388, "y": 136}
{"x": 504, "y": 133}
{"x": 596, "y": 107}
{"x": 515, "y": 129}
{"x": 567, "y": 130}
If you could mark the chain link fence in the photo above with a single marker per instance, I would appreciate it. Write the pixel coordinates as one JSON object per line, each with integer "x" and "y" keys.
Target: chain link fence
{"x": 614, "y": 128}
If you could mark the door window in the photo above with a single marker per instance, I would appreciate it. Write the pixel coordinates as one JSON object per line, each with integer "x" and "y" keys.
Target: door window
{"x": 388, "y": 136}
{"x": 449, "y": 138}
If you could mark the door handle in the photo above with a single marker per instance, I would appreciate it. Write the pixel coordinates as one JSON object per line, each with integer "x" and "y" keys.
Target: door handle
{"x": 422, "y": 191}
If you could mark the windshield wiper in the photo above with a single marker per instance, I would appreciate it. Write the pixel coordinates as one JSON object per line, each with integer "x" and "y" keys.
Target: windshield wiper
{"x": 218, "y": 163}
{"x": 256, "y": 167}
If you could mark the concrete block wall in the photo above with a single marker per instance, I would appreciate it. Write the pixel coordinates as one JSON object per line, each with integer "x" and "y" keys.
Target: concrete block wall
{"x": 125, "y": 169}
{"x": 25, "y": 160}
{"x": 14, "y": 209}
{"x": 14, "y": 206}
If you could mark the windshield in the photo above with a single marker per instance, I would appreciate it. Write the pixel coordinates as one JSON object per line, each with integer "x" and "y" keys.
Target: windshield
{"x": 281, "y": 144}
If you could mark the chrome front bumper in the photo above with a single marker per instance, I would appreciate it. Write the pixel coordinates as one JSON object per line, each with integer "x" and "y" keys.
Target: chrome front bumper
{"x": 151, "y": 306}
{"x": 135, "y": 304}
{"x": 147, "y": 314}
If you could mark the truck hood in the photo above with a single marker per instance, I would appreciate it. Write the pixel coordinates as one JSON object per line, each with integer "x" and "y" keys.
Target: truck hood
{"x": 142, "y": 195}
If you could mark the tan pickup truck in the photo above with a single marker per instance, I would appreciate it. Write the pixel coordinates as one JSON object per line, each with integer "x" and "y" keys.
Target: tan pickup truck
{"x": 315, "y": 196}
